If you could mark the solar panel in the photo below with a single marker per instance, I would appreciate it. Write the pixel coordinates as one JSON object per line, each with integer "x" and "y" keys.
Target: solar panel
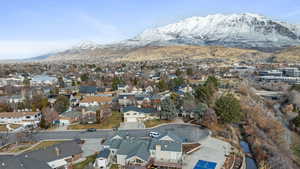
{"x": 201, "y": 164}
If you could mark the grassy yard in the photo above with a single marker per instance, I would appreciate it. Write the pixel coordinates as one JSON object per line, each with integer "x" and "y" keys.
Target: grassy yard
{"x": 19, "y": 148}
{"x": 114, "y": 166}
{"x": 109, "y": 123}
{"x": 296, "y": 150}
{"x": 3, "y": 127}
{"x": 15, "y": 126}
{"x": 84, "y": 163}
{"x": 45, "y": 144}
{"x": 155, "y": 122}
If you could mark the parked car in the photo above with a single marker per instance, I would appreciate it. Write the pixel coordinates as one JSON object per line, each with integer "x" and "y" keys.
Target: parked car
{"x": 91, "y": 130}
{"x": 154, "y": 134}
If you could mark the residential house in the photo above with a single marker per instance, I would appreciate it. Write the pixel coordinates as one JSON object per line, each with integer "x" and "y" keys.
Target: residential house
{"x": 136, "y": 90}
{"x": 89, "y": 101}
{"x": 149, "y": 89}
{"x": 58, "y": 156}
{"x": 165, "y": 151}
{"x": 185, "y": 89}
{"x": 103, "y": 159}
{"x": 20, "y": 117}
{"x": 68, "y": 90}
{"x": 123, "y": 88}
{"x": 16, "y": 99}
{"x": 89, "y": 114}
{"x": 88, "y": 90}
{"x": 126, "y": 99}
{"x": 69, "y": 117}
{"x": 40, "y": 80}
{"x": 136, "y": 114}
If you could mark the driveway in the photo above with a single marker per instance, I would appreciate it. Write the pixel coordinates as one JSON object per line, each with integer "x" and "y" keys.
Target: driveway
{"x": 91, "y": 146}
{"x": 212, "y": 150}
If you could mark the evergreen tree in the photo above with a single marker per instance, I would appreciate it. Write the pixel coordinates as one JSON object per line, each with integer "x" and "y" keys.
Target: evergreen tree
{"x": 200, "y": 109}
{"x": 296, "y": 121}
{"x": 115, "y": 82}
{"x": 84, "y": 77}
{"x": 61, "y": 104}
{"x": 168, "y": 109}
{"x": 162, "y": 85}
{"x": 228, "y": 109}
{"x": 203, "y": 94}
{"x": 189, "y": 71}
{"x": 177, "y": 100}
{"x": 178, "y": 72}
{"x": 213, "y": 82}
{"x": 43, "y": 123}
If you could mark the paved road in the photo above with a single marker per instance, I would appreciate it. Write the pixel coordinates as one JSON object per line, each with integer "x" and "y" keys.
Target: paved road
{"x": 191, "y": 133}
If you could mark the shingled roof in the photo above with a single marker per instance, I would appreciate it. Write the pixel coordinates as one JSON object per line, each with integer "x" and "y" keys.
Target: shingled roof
{"x": 38, "y": 159}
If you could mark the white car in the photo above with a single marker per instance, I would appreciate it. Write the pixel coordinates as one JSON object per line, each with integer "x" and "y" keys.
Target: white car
{"x": 154, "y": 134}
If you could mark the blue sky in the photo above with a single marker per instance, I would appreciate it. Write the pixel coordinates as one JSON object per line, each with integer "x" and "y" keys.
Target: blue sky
{"x": 32, "y": 27}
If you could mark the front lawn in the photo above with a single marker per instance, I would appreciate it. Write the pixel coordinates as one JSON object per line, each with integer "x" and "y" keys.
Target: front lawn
{"x": 296, "y": 149}
{"x": 114, "y": 166}
{"x": 19, "y": 148}
{"x": 155, "y": 122}
{"x": 111, "y": 122}
{"x": 3, "y": 127}
{"x": 45, "y": 144}
{"x": 15, "y": 126}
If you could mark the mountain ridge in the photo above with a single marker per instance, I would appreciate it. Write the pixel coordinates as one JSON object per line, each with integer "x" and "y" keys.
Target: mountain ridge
{"x": 241, "y": 31}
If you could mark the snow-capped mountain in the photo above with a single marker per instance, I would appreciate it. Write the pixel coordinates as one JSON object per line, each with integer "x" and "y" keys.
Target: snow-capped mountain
{"x": 235, "y": 30}
{"x": 85, "y": 45}
{"x": 245, "y": 31}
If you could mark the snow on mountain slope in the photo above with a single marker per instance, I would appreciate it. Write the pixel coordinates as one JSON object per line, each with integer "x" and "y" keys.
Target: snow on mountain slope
{"x": 235, "y": 30}
{"x": 84, "y": 45}
{"x": 247, "y": 31}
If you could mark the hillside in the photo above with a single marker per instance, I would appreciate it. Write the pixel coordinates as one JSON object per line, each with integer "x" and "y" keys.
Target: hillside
{"x": 291, "y": 54}
{"x": 243, "y": 36}
{"x": 190, "y": 52}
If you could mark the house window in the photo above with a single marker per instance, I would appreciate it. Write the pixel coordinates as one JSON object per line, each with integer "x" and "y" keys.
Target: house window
{"x": 28, "y": 117}
{"x": 138, "y": 161}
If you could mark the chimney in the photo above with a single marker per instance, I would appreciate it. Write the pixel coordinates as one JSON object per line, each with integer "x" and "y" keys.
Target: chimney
{"x": 57, "y": 151}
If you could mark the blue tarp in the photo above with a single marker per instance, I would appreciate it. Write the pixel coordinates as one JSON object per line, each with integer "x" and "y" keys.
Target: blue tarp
{"x": 201, "y": 164}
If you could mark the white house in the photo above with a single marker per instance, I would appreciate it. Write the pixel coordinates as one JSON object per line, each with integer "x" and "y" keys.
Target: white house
{"x": 90, "y": 101}
{"x": 133, "y": 116}
{"x": 123, "y": 88}
{"x": 20, "y": 117}
{"x": 103, "y": 159}
{"x": 43, "y": 80}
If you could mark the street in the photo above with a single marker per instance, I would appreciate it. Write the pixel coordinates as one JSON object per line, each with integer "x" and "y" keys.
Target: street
{"x": 191, "y": 133}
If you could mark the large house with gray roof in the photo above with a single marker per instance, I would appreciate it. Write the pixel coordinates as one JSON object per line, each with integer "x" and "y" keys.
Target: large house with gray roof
{"x": 131, "y": 151}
